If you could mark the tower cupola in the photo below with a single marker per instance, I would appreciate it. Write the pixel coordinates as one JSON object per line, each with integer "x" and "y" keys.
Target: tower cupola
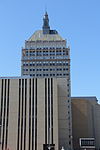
{"x": 46, "y": 27}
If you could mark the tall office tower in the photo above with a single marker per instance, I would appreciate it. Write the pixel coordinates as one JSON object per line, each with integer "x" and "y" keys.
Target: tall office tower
{"x": 46, "y": 54}
{"x": 35, "y": 109}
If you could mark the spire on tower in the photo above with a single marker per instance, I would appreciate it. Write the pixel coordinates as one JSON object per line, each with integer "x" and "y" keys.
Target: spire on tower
{"x": 46, "y": 27}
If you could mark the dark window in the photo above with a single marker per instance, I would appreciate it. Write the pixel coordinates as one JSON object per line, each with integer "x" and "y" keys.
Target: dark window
{"x": 69, "y": 142}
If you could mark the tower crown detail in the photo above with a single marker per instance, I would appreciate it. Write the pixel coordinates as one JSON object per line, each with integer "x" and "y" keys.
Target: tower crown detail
{"x": 46, "y": 27}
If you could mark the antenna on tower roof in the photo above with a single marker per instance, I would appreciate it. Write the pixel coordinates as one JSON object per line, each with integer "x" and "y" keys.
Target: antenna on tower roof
{"x": 45, "y": 8}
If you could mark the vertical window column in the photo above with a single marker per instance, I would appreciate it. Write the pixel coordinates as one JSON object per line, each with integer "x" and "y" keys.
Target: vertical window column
{"x": 19, "y": 107}
{"x": 4, "y": 114}
{"x": 7, "y": 114}
{"x": 22, "y": 114}
{"x": 25, "y": 112}
{"x": 1, "y": 112}
{"x": 29, "y": 114}
{"x": 46, "y": 111}
{"x": 36, "y": 114}
{"x": 52, "y": 110}
{"x": 33, "y": 114}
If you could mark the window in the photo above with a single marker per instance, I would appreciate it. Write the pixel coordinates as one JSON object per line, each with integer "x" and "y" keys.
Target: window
{"x": 59, "y": 63}
{"x": 38, "y": 69}
{"x": 26, "y": 53}
{"x": 58, "y": 52}
{"x": 32, "y": 53}
{"x": 45, "y": 53}
{"x": 65, "y": 69}
{"x": 39, "y": 53}
{"x": 38, "y": 64}
{"x": 45, "y": 75}
{"x": 52, "y": 53}
{"x": 59, "y": 74}
{"x": 69, "y": 142}
{"x": 45, "y": 63}
{"x": 59, "y": 69}
{"x": 65, "y": 63}
{"x": 33, "y": 64}
{"x": 64, "y": 74}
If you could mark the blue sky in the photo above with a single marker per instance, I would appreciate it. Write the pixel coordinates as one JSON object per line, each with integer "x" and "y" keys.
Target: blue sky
{"x": 78, "y": 21}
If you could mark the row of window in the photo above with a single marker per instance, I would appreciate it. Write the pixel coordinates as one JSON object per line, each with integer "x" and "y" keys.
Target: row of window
{"x": 45, "y": 69}
{"x": 50, "y": 48}
{"x": 46, "y": 64}
{"x": 46, "y": 53}
{"x": 47, "y": 57}
{"x": 47, "y": 75}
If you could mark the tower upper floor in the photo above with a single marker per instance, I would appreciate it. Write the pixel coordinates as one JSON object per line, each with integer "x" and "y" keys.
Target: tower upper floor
{"x": 46, "y": 54}
{"x": 45, "y": 37}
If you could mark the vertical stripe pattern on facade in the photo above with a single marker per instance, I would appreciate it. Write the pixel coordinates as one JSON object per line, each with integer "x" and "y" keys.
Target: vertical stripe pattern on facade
{"x": 4, "y": 113}
{"x": 52, "y": 111}
{"x": 45, "y": 111}
{"x": 19, "y": 115}
{"x": 22, "y": 109}
{"x": 36, "y": 114}
{"x": 1, "y": 109}
{"x": 25, "y": 114}
{"x": 48, "y": 111}
{"x": 29, "y": 114}
{"x": 22, "y": 115}
{"x": 7, "y": 120}
{"x": 33, "y": 113}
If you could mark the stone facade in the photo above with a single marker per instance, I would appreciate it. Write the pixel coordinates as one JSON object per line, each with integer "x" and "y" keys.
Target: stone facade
{"x": 85, "y": 120}
{"x": 34, "y": 112}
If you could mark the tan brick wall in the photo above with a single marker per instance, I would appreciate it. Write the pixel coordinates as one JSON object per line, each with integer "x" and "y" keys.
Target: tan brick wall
{"x": 85, "y": 119}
